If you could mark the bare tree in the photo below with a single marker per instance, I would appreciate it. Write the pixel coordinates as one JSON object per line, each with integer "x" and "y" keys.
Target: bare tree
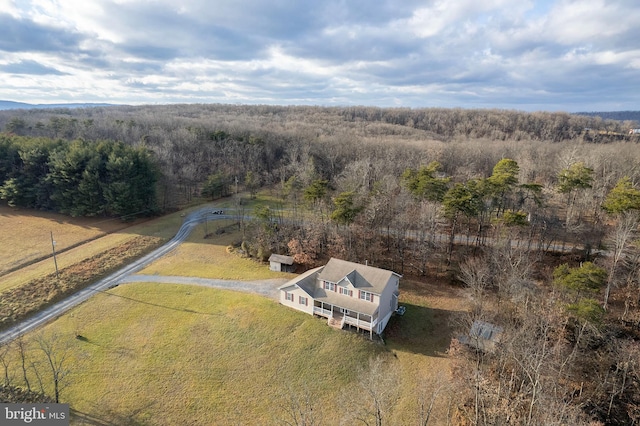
{"x": 620, "y": 239}
{"x": 511, "y": 270}
{"x": 475, "y": 274}
{"x": 428, "y": 225}
{"x": 429, "y": 390}
{"x": 21, "y": 345}
{"x": 379, "y": 385}
{"x": 299, "y": 409}
{"x": 36, "y": 371}
{"x": 4, "y": 360}
{"x": 57, "y": 352}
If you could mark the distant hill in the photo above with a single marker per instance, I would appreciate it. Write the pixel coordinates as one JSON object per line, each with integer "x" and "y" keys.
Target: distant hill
{"x": 614, "y": 115}
{"x": 21, "y": 105}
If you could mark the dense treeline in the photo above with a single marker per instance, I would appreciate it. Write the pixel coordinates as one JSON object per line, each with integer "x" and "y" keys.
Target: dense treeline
{"x": 77, "y": 178}
{"x": 439, "y": 122}
{"x": 192, "y": 142}
{"x": 493, "y": 124}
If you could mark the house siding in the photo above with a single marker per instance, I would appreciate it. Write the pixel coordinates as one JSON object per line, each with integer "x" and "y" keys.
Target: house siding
{"x": 388, "y": 303}
{"x": 295, "y": 304}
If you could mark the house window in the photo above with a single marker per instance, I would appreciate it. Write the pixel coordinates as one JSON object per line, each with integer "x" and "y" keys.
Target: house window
{"x": 365, "y": 295}
{"x": 302, "y": 300}
{"x": 329, "y": 286}
{"x": 346, "y": 291}
{"x": 288, "y": 296}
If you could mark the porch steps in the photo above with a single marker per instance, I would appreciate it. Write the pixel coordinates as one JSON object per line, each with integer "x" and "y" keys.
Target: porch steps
{"x": 337, "y": 323}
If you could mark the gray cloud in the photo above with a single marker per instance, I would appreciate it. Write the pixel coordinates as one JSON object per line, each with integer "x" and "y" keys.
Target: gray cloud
{"x": 21, "y": 35}
{"x": 546, "y": 54}
{"x": 29, "y": 67}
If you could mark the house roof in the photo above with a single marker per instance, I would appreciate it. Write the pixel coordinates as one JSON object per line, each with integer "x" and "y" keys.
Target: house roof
{"x": 306, "y": 281}
{"x": 280, "y": 258}
{"x": 362, "y": 277}
{"x": 350, "y": 303}
{"x": 341, "y": 272}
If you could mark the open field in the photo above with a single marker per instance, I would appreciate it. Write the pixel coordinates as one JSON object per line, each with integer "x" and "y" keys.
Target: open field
{"x": 420, "y": 339}
{"x": 170, "y": 354}
{"x": 27, "y": 290}
{"x": 36, "y": 284}
{"x": 26, "y": 234}
{"x": 20, "y": 302}
{"x": 163, "y": 227}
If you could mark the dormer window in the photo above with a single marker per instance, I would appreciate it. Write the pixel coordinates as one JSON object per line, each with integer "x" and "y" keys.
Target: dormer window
{"x": 346, "y": 291}
{"x": 329, "y": 286}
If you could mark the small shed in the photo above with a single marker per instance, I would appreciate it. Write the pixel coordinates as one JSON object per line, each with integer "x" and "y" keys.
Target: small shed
{"x": 281, "y": 263}
{"x": 483, "y": 336}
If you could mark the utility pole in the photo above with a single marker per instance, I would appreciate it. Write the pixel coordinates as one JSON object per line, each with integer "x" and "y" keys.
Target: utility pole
{"x": 53, "y": 247}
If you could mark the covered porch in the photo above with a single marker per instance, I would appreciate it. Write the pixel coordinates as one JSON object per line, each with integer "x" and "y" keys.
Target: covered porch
{"x": 339, "y": 316}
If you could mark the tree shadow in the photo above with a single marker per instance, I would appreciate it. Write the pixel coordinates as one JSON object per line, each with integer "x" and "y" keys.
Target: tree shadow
{"x": 81, "y": 418}
{"x": 421, "y": 330}
{"x": 108, "y": 417}
{"x": 157, "y": 305}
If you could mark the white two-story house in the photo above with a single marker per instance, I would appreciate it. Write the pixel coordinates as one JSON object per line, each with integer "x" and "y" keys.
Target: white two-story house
{"x": 346, "y": 293}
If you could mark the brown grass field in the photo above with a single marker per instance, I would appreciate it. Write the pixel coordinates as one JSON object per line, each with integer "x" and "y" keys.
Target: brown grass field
{"x": 30, "y": 240}
{"x": 26, "y": 235}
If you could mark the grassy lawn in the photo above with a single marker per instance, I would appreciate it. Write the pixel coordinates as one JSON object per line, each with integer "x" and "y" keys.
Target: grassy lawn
{"x": 420, "y": 339}
{"x": 209, "y": 258}
{"x": 169, "y": 354}
{"x": 80, "y": 238}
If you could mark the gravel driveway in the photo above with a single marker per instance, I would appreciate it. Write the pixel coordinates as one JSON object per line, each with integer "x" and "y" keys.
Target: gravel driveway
{"x": 267, "y": 288}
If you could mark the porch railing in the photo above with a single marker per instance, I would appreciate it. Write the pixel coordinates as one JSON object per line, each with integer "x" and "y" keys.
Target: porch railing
{"x": 320, "y": 311}
{"x": 347, "y": 319}
{"x": 357, "y": 322}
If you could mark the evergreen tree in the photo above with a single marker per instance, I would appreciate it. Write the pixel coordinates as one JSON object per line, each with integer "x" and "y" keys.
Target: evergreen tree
{"x": 424, "y": 183}
{"x": 622, "y": 198}
{"x": 346, "y": 210}
{"x": 217, "y": 186}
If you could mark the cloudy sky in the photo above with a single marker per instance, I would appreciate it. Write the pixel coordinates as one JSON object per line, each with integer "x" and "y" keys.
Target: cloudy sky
{"x": 515, "y": 54}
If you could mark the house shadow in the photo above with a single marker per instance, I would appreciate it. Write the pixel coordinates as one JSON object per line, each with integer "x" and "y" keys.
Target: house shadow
{"x": 421, "y": 330}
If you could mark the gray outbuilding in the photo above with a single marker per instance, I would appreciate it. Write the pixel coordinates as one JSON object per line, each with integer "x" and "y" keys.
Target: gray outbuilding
{"x": 281, "y": 263}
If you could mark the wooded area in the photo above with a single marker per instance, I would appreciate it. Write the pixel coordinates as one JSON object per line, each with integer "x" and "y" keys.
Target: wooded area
{"x": 535, "y": 213}
{"x": 77, "y": 177}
